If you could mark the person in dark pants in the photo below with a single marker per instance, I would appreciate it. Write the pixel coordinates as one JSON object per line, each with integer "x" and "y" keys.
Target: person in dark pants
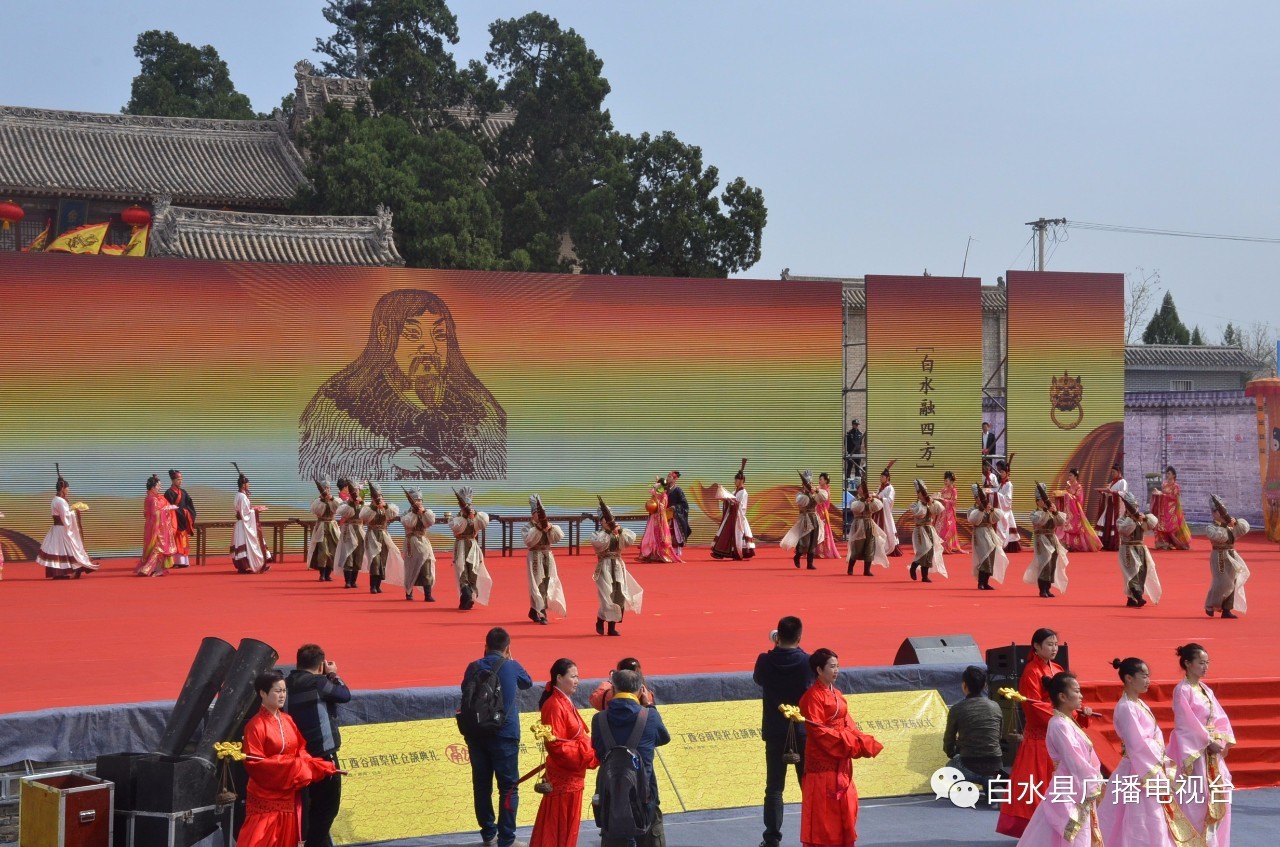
{"x": 971, "y": 740}
{"x": 315, "y": 691}
{"x": 853, "y": 444}
{"x": 495, "y": 756}
{"x": 784, "y": 675}
{"x": 620, "y": 717}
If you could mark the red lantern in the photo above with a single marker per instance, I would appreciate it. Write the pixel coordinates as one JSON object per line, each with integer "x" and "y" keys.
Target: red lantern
{"x": 136, "y": 216}
{"x": 11, "y": 213}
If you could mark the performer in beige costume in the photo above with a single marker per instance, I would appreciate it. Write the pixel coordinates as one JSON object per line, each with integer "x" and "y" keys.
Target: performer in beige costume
{"x": 381, "y": 556}
{"x": 419, "y": 556}
{"x": 1228, "y": 570}
{"x": 350, "y": 550}
{"x": 617, "y": 591}
{"x": 474, "y": 582}
{"x": 807, "y": 533}
{"x": 989, "y": 558}
{"x": 545, "y": 591}
{"x": 1048, "y": 568}
{"x": 323, "y": 542}
{"x": 866, "y": 538}
{"x": 926, "y": 544}
{"x": 1136, "y": 562}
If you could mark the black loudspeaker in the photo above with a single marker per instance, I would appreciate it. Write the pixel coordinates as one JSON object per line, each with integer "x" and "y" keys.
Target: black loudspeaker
{"x": 938, "y": 650}
{"x": 1006, "y": 663}
{"x": 174, "y": 785}
{"x": 187, "y": 830}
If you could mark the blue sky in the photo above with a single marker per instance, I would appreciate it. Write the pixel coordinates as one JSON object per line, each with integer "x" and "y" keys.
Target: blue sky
{"x": 884, "y": 135}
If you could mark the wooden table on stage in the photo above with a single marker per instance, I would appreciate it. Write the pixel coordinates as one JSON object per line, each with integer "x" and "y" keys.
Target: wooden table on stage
{"x": 277, "y": 528}
{"x": 574, "y": 535}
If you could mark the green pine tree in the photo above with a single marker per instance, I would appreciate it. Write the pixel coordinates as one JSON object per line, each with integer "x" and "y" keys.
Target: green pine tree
{"x": 1165, "y": 326}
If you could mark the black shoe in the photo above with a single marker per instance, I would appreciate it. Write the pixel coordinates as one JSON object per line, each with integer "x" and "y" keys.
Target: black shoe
{"x": 796, "y": 561}
{"x": 1131, "y": 603}
{"x": 542, "y": 619}
{"x": 466, "y": 602}
{"x": 913, "y": 571}
{"x": 599, "y": 626}
{"x": 1209, "y": 612}
{"x": 408, "y": 595}
{"x": 533, "y": 614}
{"x": 1227, "y": 613}
{"x": 613, "y": 628}
{"x": 1141, "y": 602}
{"x": 427, "y": 598}
{"x": 924, "y": 574}
{"x": 811, "y": 567}
{"x": 866, "y": 570}
{"x": 850, "y": 570}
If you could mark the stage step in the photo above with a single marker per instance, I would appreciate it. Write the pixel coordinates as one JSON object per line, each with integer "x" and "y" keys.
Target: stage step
{"x": 1252, "y": 705}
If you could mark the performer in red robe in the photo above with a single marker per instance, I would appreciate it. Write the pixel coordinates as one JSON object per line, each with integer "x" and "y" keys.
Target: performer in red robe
{"x": 1166, "y": 501}
{"x": 158, "y": 545}
{"x": 569, "y": 757}
{"x": 829, "y": 809}
{"x": 1032, "y": 774}
{"x": 278, "y": 767}
{"x": 186, "y": 517}
{"x": 947, "y": 526}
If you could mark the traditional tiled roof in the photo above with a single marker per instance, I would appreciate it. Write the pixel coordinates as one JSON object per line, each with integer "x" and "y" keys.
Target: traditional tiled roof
{"x": 46, "y": 152}
{"x": 1184, "y": 357}
{"x": 289, "y": 239}
{"x": 1186, "y": 399}
{"x": 313, "y": 93}
{"x": 855, "y": 291}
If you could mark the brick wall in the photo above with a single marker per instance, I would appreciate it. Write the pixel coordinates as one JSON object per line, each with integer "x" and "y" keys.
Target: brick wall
{"x": 1209, "y": 436}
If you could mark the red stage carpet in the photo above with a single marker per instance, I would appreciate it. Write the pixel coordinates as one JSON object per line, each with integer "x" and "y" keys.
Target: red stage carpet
{"x": 115, "y": 638}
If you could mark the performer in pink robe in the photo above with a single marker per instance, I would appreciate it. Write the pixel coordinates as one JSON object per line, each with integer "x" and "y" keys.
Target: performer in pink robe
{"x": 1198, "y": 745}
{"x": 1076, "y": 534}
{"x": 655, "y": 544}
{"x": 159, "y": 543}
{"x": 1132, "y": 812}
{"x": 946, "y": 525}
{"x": 1068, "y": 817}
{"x": 827, "y": 546}
{"x": 1172, "y": 533}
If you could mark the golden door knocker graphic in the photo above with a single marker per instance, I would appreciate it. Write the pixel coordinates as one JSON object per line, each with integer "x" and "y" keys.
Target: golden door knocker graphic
{"x": 1065, "y": 395}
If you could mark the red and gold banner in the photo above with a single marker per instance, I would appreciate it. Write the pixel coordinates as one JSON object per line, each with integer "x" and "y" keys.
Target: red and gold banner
{"x": 924, "y": 380}
{"x": 1065, "y": 381}
{"x": 1266, "y": 393}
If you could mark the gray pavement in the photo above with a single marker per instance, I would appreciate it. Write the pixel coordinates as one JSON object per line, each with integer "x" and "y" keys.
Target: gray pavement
{"x": 886, "y": 822}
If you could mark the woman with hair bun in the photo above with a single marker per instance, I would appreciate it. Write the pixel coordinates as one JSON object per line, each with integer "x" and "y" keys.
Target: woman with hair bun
{"x": 160, "y": 525}
{"x": 1198, "y": 745}
{"x": 1133, "y": 814}
{"x": 1070, "y": 818}
{"x": 569, "y": 757}
{"x": 1033, "y": 769}
{"x": 1077, "y": 534}
{"x": 1172, "y": 533}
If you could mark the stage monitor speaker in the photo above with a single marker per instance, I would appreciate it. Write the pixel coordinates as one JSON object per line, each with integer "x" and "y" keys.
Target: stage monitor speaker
{"x": 1006, "y": 663}
{"x": 938, "y": 650}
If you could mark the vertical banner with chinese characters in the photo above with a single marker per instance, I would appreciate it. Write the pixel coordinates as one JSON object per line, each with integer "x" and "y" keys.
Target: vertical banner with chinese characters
{"x": 924, "y": 380}
{"x": 1065, "y": 381}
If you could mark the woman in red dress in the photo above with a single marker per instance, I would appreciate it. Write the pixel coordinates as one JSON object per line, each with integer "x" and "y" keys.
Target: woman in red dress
{"x": 1172, "y": 533}
{"x": 1077, "y": 534}
{"x": 569, "y": 757}
{"x": 278, "y": 768}
{"x": 827, "y": 548}
{"x": 948, "y": 529}
{"x": 829, "y": 806}
{"x": 158, "y": 534}
{"x": 1033, "y": 769}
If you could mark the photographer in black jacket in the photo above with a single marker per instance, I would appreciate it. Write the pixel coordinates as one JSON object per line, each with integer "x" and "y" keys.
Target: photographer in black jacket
{"x": 784, "y": 674}
{"x": 314, "y": 694}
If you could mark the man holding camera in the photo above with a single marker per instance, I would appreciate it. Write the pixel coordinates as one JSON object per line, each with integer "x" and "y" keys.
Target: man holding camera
{"x": 315, "y": 690}
{"x": 784, "y": 675}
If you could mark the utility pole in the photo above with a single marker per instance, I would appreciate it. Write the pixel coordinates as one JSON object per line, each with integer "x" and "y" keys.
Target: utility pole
{"x": 1040, "y": 226}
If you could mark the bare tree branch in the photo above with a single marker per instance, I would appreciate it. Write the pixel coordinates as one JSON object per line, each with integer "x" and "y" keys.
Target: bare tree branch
{"x": 1141, "y": 289}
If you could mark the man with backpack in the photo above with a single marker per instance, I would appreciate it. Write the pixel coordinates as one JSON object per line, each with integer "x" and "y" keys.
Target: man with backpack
{"x": 625, "y": 736}
{"x": 490, "y": 722}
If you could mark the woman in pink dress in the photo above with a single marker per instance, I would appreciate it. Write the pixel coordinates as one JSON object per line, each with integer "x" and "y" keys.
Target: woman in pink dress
{"x": 655, "y": 545}
{"x": 1172, "y": 533}
{"x": 1133, "y": 813}
{"x": 1077, "y": 534}
{"x": 946, "y": 525}
{"x": 827, "y": 547}
{"x": 159, "y": 540}
{"x": 1069, "y": 815}
{"x": 1198, "y": 745}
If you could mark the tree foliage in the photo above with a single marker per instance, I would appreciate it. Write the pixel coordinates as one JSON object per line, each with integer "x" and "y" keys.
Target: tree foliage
{"x": 182, "y": 80}
{"x": 558, "y": 175}
{"x": 1230, "y": 336}
{"x": 1196, "y": 338}
{"x": 1165, "y": 326}
{"x": 445, "y": 217}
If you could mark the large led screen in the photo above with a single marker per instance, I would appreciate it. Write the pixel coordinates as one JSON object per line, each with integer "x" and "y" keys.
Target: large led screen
{"x": 568, "y": 386}
{"x": 1066, "y": 380}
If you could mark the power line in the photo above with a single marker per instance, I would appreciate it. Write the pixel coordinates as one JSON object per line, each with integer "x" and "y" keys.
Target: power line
{"x": 1139, "y": 230}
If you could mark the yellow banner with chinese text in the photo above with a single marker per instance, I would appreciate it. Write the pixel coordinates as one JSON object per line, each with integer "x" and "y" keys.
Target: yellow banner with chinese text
{"x": 413, "y": 778}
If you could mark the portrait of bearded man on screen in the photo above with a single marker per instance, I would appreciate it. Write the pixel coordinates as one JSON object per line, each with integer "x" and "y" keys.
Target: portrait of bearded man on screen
{"x": 408, "y": 408}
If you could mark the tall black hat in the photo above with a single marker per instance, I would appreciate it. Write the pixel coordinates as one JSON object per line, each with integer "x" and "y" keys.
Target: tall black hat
{"x": 61, "y": 483}
{"x": 742, "y": 471}
{"x": 1042, "y": 493}
{"x": 241, "y": 479}
{"x": 606, "y": 514}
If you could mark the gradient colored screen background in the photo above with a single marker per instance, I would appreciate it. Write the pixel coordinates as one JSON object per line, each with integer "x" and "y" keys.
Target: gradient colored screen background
{"x": 914, "y": 324}
{"x": 1072, "y": 323}
{"x": 120, "y": 369}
